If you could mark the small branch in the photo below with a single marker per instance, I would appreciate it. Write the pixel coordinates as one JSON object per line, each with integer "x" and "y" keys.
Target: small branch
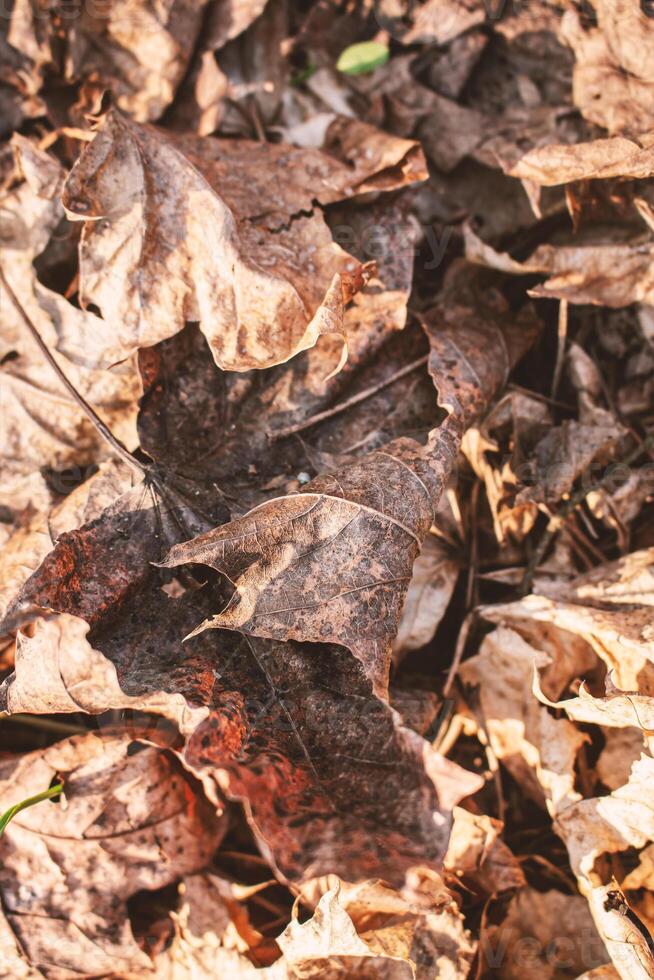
{"x": 118, "y": 447}
{"x": 354, "y": 400}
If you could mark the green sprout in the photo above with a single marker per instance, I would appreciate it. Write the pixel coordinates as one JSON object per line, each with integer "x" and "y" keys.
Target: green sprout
{"x": 47, "y": 794}
{"x": 359, "y": 59}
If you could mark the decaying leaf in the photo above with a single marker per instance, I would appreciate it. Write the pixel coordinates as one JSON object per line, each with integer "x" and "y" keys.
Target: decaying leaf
{"x": 311, "y": 405}
{"x": 259, "y": 721}
{"x": 544, "y": 934}
{"x": 608, "y": 608}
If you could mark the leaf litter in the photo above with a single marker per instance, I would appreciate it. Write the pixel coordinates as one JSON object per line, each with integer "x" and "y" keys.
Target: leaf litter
{"x": 327, "y": 581}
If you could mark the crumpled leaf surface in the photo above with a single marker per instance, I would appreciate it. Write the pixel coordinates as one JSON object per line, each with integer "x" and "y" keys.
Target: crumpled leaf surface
{"x": 414, "y": 506}
{"x": 257, "y": 712}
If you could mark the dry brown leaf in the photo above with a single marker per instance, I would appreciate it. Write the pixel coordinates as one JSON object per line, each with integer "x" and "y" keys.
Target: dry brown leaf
{"x": 127, "y": 821}
{"x": 608, "y": 824}
{"x": 260, "y": 722}
{"x": 437, "y": 21}
{"x": 595, "y": 160}
{"x": 420, "y": 924}
{"x": 31, "y": 542}
{"x": 612, "y": 82}
{"x": 332, "y": 563}
{"x": 613, "y": 274}
{"x": 138, "y": 50}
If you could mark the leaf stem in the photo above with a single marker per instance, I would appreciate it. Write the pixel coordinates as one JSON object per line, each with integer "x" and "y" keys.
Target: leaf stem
{"x": 354, "y": 400}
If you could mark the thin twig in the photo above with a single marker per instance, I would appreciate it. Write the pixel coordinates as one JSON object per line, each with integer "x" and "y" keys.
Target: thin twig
{"x": 458, "y": 652}
{"x": 562, "y": 335}
{"x": 118, "y": 447}
{"x": 354, "y": 400}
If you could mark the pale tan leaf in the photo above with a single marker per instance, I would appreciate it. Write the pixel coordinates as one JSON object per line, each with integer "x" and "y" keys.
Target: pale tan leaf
{"x": 180, "y": 220}
{"x": 432, "y": 583}
{"x": 41, "y": 425}
{"x": 627, "y": 944}
{"x": 609, "y": 608}
{"x": 477, "y": 852}
{"x": 538, "y": 750}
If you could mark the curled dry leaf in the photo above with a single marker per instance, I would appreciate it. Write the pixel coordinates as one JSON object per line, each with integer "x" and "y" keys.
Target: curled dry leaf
{"x": 365, "y": 931}
{"x": 612, "y": 82}
{"x": 620, "y": 709}
{"x": 625, "y": 936}
{"x": 126, "y": 822}
{"x": 595, "y": 160}
{"x": 189, "y": 239}
{"x": 613, "y": 274}
{"x": 333, "y": 562}
{"x": 608, "y": 608}
{"x": 477, "y": 853}
{"x": 137, "y": 50}
{"x": 419, "y": 924}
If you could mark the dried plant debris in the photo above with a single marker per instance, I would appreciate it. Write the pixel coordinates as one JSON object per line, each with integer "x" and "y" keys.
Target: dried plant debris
{"x": 327, "y": 437}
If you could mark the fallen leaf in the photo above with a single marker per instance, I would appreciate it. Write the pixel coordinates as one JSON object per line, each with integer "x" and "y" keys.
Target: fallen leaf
{"x": 260, "y": 721}
{"x": 544, "y": 934}
{"x": 477, "y": 853}
{"x": 137, "y": 50}
{"x": 608, "y": 609}
{"x": 432, "y": 583}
